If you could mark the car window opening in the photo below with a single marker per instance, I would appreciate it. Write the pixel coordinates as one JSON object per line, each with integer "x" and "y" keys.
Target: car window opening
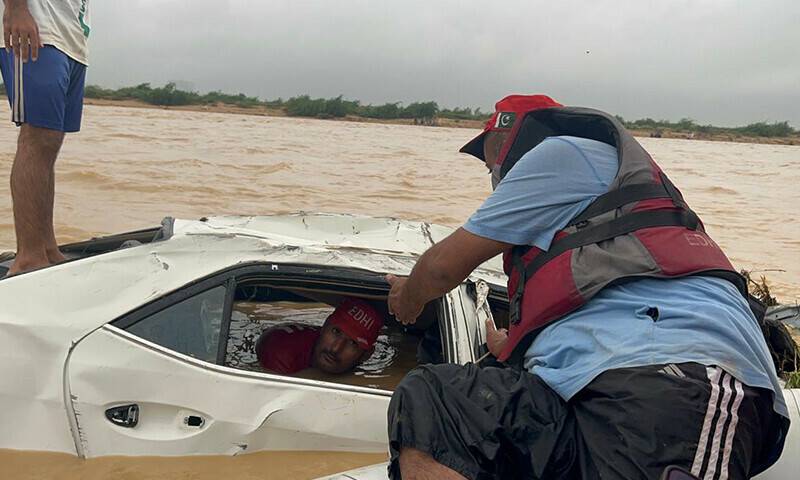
{"x": 259, "y": 306}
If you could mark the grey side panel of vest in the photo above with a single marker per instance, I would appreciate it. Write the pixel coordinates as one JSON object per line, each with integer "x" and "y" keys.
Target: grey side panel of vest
{"x": 593, "y": 266}
{"x": 635, "y": 164}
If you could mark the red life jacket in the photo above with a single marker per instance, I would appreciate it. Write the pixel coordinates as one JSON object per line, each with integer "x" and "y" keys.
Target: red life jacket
{"x": 641, "y": 228}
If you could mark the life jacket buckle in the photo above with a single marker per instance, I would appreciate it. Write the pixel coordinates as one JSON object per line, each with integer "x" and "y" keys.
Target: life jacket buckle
{"x": 693, "y": 220}
{"x": 513, "y": 313}
{"x": 514, "y": 308}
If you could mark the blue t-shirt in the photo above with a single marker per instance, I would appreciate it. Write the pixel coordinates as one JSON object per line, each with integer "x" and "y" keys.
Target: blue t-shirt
{"x": 701, "y": 319}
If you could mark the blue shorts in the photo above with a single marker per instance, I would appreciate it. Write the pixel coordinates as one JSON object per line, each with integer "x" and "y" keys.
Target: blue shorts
{"x": 47, "y": 93}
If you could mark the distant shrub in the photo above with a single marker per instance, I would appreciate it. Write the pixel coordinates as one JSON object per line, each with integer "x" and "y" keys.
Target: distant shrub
{"x": 304, "y": 106}
{"x": 385, "y": 111}
{"x": 277, "y": 103}
{"x": 93, "y": 91}
{"x": 458, "y": 114}
{"x": 169, "y": 95}
{"x": 763, "y": 129}
{"x": 760, "y": 129}
{"x": 420, "y": 110}
{"x": 240, "y": 100}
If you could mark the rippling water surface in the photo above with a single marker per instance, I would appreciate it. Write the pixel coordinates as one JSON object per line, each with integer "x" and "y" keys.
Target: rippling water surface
{"x": 130, "y": 167}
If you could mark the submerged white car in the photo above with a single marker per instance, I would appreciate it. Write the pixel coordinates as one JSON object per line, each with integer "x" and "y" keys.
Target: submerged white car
{"x": 143, "y": 344}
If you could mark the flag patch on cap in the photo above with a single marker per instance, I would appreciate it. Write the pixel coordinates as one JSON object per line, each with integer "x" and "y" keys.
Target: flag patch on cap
{"x": 505, "y": 120}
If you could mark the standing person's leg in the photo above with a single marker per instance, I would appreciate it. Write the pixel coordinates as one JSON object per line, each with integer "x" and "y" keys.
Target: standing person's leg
{"x": 32, "y": 192}
{"x": 46, "y": 98}
{"x": 54, "y": 255}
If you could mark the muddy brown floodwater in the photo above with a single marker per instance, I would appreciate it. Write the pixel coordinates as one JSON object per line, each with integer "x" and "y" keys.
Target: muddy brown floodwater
{"x": 254, "y": 466}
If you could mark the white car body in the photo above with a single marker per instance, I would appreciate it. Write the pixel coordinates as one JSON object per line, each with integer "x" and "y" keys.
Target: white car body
{"x": 63, "y": 364}
{"x": 67, "y": 358}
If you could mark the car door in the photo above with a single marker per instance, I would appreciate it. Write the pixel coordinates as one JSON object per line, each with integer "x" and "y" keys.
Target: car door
{"x": 152, "y": 383}
{"x": 470, "y": 303}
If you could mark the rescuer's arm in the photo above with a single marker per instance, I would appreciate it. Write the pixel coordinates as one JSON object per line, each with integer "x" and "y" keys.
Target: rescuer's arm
{"x": 440, "y": 269}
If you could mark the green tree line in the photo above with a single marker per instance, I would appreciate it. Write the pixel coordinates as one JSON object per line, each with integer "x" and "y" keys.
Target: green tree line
{"x": 300, "y": 106}
{"x": 422, "y": 112}
{"x": 169, "y": 95}
{"x": 687, "y": 125}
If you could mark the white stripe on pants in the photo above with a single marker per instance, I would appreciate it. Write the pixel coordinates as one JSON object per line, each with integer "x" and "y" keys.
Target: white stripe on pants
{"x": 727, "y": 410}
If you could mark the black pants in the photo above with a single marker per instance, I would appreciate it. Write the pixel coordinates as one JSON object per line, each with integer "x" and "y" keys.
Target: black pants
{"x": 628, "y": 423}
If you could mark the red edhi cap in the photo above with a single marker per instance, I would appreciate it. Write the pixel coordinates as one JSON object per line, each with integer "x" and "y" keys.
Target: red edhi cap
{"x": 506, "y": 112}
{"x": 358, "y": 320}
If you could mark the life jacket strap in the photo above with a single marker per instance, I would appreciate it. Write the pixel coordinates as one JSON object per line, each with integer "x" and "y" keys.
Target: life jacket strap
{"x": 590, "y": 235}
{"x": 516, "y": 257}
{"x": 620, "y": 197}
{"x": 677, "y": 199}
{"x": 614, "y": 228}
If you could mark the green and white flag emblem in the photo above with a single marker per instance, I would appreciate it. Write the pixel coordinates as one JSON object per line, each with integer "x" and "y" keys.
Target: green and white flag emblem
{"x": 82, "y": 19}
{"x": 505, "y": 120}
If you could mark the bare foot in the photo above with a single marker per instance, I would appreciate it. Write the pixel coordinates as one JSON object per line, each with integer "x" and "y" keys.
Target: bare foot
{"x": 26, "y": 264}
{"x": 55, "y": 256}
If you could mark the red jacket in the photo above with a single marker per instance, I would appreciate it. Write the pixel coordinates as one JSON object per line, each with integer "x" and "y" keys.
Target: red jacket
{"x": 288, "y": 348}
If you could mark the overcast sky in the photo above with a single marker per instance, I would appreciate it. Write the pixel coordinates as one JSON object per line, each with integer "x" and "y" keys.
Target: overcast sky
{"x": 725, "y": 62}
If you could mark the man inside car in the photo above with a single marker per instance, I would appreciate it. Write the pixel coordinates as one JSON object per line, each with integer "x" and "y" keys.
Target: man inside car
{"x": 346, "y": 339}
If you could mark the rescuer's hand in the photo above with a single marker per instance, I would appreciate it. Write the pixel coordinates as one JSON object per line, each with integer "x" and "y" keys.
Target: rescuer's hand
{"x": 21, "y": 31}
{"x": 401, "y": 304}
{"x": 495, "y": 339}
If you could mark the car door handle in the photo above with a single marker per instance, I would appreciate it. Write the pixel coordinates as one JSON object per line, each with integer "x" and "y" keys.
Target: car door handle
{"x": 195, "y": 421}
{"x": 124, "y": 416}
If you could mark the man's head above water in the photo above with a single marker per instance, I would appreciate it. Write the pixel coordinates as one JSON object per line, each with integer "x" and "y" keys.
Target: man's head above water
{"x": 347, "y": 337}
{"x": 345, "y": 340}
